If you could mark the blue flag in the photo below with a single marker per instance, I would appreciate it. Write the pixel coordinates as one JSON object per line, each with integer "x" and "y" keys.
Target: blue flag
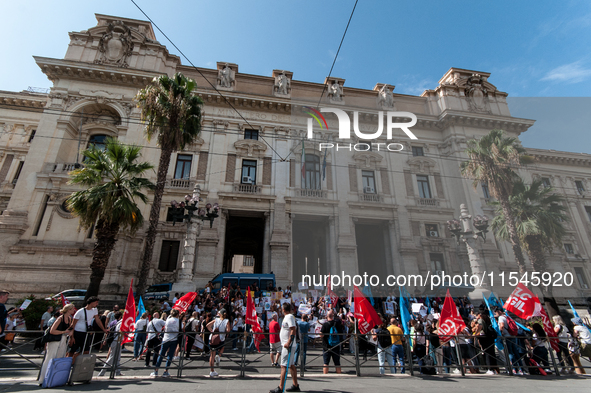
{"x": 428, "y": 304}
{"x": 140, "y": 310}
{"x": 493, "y": 321}
{"x": 523, "y": 327}
{"x": 494, "y": 302}
{"x": 367, "y": 292}
{"x": 576, "y": 315}
{"x": 404, "y": 306}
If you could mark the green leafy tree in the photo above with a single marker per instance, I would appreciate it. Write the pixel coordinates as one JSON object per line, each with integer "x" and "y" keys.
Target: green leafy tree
{"x": 172, "y": 114}
{"x": 539, "y": 220}
{"x": 112, "y": 183}
{"x": 492, "y": 160}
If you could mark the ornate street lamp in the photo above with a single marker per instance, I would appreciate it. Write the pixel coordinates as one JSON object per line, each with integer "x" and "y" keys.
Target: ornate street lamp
{"x": 191, "y": 206}
{"x": 209, "y": 213}
{"x": 479, "y": 222}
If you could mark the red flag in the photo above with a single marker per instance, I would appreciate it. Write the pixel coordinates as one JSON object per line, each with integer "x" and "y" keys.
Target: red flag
{"x": 548, "y": 327}
{"x": 258, "y": 337}
{"x": 450, "y": 322}
{"x": 64, "y": 300}
{"x": 251, "y": 314}
{"x": 128, "y": 324}
{"x": 183, "y": 303}
{"x": 365, "y": 313}
{"x": 521, "y": 302}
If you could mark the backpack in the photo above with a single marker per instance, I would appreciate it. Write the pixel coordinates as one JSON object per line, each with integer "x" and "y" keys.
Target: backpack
{"x": 490, "y": 332}
{"x": 384, "y": 338}
{"x": 511, "y": 326}
{"x": 189, "y": 326}
{"x": 112, "y": 334}
{"x": 333, "y": 338}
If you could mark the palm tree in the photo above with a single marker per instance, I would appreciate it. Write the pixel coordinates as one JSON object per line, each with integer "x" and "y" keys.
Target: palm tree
{"x": 173, "y": 114}
{"x": 492, "y": 159}
{"x": 539, "y": 217}
{"x": 112, "y": 182}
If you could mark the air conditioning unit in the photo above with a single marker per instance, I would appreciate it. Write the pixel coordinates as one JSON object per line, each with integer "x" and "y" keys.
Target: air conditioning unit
{"x": 433, "y": 234}
{"x": 247, "y": 180}
{"x": 369, "y": 190}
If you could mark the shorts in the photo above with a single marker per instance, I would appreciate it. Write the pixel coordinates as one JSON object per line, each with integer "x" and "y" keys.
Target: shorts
{"x": 217, "y": 347}
{"x": 336, "y": 358}
{"x": 465, "y": 351}
{"x": 275, "y": 347}
{"x": 81, "y": 340}
{"x": 285, "y": 353}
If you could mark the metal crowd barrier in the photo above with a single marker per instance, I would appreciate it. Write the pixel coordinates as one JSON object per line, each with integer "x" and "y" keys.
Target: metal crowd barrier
{"x": 473, "y": 356}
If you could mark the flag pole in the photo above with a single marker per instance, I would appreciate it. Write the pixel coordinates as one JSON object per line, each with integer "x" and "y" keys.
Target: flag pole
{"x": 357, "y": 367}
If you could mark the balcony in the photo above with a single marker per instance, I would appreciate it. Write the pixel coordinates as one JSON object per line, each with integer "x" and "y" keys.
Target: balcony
{"x": 179, "y": 183}
{"x": 428, "y": 202}
{"x": 247, "y": 189}
{"x": 310, "y": 193}
{"x": 61, "y": 167}
{"x": 369, "y": 197}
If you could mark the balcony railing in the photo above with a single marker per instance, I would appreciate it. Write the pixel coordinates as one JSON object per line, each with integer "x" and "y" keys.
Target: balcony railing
{"x": 369, "y": 197}
{"x": 247, "y": 188}
{"x": 310, "y": 193}
{"x": 431, "y": 202}
{"x": 179, "y": 183}
{"x": 61, "y": 167}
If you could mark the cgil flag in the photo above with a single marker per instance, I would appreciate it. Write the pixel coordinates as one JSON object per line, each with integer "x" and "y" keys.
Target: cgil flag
{"x": 521, "y": 302}
{"x": 183, "y": 303}
{"x": 252, "y": 319}
{"x": 450, "y": 322}
{"x": 365, "y": 314}
{"x": 128, "y": 324}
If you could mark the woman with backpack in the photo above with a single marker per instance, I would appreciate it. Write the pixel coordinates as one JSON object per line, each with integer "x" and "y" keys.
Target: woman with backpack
{"x": 382, "y": 336}
{"x": 217, "y": 327}
{"x": 564, "y": 337}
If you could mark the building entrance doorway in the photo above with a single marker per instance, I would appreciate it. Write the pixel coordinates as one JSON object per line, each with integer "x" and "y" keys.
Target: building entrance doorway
{"x": 310, "y": 245}
{"x": 243, "y": 251}
{"x": 371, "y": 250}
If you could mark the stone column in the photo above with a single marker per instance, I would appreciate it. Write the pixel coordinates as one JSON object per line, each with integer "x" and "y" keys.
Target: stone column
{"x": 469, "y": 238}
{"x": 185, "y": 275}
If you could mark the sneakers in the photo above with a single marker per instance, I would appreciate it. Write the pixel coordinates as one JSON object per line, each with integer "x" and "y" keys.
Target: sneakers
{"x": 213, "y": 374}
{"x": 176, "y": 358}
{"x": 293, "y": 388}
{"x": 154, "y": 374}
{"x": 519, "y": 372}
{"x": 101, "y": 373}
{"x": 119, "y": 374}
{"x": 490, "y": 372}
{"x": 276, "y": 390}
{"x": 456, "y": 371}
{"x": 217, "y": 360}
{"x": 234, "y": 349}
{"x": 166, "y": 374}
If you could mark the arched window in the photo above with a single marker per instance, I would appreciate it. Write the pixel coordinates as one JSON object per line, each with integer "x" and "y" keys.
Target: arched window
{"x": 312, "y": 180}
{"x": 97, "y": 140}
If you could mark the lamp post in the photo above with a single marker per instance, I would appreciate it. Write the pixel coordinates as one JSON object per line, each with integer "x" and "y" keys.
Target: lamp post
{"x": 462, "y": 231}
{"x": 185, "y": 211}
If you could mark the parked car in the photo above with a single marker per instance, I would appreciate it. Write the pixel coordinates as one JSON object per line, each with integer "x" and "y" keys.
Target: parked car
{"x": 158, "y": 291}
{"x": 75, "y": 296}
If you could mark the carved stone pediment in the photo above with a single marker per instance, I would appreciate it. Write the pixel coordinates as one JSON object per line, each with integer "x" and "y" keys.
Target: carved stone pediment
{"x": 367, "y": 159}
{"x": 250, "y": 147}
{"x": 422, "y": 164}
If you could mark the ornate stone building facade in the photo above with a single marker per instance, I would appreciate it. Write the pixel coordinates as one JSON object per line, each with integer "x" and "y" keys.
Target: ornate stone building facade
{"x": 349, "y": 210}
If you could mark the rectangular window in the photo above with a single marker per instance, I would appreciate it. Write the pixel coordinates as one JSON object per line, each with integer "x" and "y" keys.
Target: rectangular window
{"x": 248, "y": 260}
{"x": 18, "y": 172}
{"x": 546, "y": 182}
{"x": 424, "y": 189}
{"x": 249, "y": 172}
{"x": 169, "y": 255}
{"x": 40, "y": 220}
{"x": 437, "y": 263}
{"x": 485, "y": 191}
{"x": 588, "y": 210}
{"x": 369, "y": 182}
{"x": 169, "y": 215}
{"x": 581, "y": 277}
{"x": 251, "y": 134}
{"x": 33, "y": 132}
{"x": 432, "y": 230}
{"x": 183, "y": 166}
{"x": 580, "y": 187}
{"x": 417, "y": 151}
{"x": 569, "y": 248}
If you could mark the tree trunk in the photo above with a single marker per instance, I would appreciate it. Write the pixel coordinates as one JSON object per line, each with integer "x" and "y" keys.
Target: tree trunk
{"x": 154, "y": 218}
{"x": 106, "y": 237}
{"x": 535, "y": 251}
{"x": 513, "y": 236}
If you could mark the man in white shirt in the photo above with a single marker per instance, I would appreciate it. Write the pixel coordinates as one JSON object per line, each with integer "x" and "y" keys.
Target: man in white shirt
{"x": 153, "y": 342}
{"x": 45, "y": 318}
{"x": 169, "y": 342}
{"x": 139, "y": 339}
{"x": 81, "y": 325}
{"x": 287, "y": 335}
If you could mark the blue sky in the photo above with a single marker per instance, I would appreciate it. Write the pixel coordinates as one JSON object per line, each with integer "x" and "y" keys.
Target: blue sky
{"x": 532, "y": 49}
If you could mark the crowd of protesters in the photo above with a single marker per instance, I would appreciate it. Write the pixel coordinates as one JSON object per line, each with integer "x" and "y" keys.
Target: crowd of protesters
{"x": 215, "y": 322}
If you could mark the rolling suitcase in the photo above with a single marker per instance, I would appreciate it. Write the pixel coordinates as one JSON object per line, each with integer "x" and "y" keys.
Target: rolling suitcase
{"x": 58, "y": 372}
{"x": 83, "y": 367}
